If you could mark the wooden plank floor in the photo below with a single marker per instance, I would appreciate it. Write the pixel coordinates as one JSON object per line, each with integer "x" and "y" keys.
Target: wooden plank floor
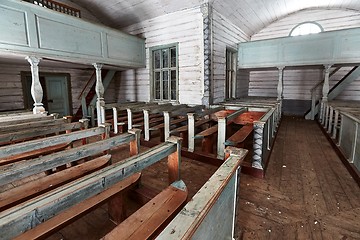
{"x": 307, "y": 192}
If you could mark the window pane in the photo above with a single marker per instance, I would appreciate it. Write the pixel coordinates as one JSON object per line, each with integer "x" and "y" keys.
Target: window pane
{"x": 165, "y": 56}
{"x": 165, "y": 84}
{"x": 157, "y": 59}
{"x": 157, "y": 85}
{"x": 173, "y": 57}
{"x": 173, "y": 84}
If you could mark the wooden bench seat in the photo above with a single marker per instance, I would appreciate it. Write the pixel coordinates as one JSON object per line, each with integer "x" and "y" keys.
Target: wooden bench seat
{"x": 238, "y": 138}
{"x": 33, "y": 188}
{"x": 207, "y": 137}
{"x": 34, "y": 153}
{"x": 75, "y": 212}
{"x": 153, "y": 217}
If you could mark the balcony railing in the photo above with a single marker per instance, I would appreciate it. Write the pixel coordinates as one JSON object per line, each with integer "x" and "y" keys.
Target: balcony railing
{"x": 56, "y": 6}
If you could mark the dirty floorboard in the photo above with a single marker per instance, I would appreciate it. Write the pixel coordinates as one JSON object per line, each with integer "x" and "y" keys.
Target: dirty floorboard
{"x": 307, "y": 192}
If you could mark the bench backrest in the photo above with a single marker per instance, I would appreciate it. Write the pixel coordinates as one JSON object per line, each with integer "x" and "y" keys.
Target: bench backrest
{"x": 24, "y": 216}
{"x": 211, "y": 212}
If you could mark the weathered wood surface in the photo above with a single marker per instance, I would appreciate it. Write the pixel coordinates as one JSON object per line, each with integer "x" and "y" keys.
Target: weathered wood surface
{"x": 307, "y": 192}
{"x": 37, "y": 144}
{"x": 34, "y": 188}
{"x": 28, "y": 125}
{"x": 17, "y": 219}
{"x": 20, "y": 170}
{"x": 152, "y": 217}
{"x": 82, "y": 41}
{"x": 195, "y": 219}
{"x": 79, "y": 209}
{"x": 7, "y": 138}
{"x": 24, "y": 119}
{"x": 240, "y": 136}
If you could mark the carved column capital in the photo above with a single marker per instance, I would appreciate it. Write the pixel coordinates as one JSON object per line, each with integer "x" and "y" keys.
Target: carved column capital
{"x": 34, "y": 61}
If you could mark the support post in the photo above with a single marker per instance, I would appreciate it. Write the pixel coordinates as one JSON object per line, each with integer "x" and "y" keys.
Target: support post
{"x": 258, "y": 144}
{"x": 129, "y": 118}
{"x": 335, "y": 125}
{"x": 115, "y": 120}
{"x": 146, "y": 125}
{"x": 280, "y": 86}
{"x": 166, "y": 125}
{"x": 191, "y": 132}
{"x": 135, "y": 144}
{"x": 221, "y": 137}
{"x": 330, "y": 121}
{"x": 36, "y": 89}
{"x": 174, "y": 160}
{"x": 99, "y": 88}
{"x": 325, "y": 92}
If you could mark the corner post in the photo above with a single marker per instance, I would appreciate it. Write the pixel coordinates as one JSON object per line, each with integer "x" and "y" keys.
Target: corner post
{"x": 258, "y": 144}
{"x": 99, "y": 88}
{"x": 325, "y": 93}
{"x": 174, "y": 160}
{"x": 280, "y": 88}
{"x": 36, "y": 89}
{"x": 135, "y": 144}
{"x": 166, "y": 125}
{"x": 221, "y": 137}
{"x": 146, "y": 125}
{"x": 191, "y": 132}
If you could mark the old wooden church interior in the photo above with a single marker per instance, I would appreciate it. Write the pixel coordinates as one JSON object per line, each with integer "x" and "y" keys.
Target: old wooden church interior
{"x": 192, "y": 119}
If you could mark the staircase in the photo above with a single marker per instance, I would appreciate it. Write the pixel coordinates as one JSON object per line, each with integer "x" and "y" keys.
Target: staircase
{"x": 351, "y": 76}
{"x": 88, "y": 96}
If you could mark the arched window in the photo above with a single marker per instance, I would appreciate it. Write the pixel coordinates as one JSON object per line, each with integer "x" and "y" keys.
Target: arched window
{"x": 306, "y": 28}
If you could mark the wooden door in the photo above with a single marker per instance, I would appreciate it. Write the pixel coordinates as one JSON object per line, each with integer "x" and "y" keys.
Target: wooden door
{"x": 57, "y": 94}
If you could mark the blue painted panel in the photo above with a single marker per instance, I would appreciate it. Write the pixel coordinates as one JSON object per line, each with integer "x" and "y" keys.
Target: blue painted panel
{"x": 12, "y": 22}
{"x": 128, "y": 50}
{"x": 334, "y": 47}
{"x": 59, "y": 36}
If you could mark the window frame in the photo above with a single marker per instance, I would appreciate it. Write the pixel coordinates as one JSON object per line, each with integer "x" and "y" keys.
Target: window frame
{"x": 230, "y": 86}
{"x": 152, "y": 70}
{"x": 306, "y": 22}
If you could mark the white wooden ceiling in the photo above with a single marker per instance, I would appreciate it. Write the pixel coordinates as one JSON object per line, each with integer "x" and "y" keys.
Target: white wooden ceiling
{"x": 250, "y": 15}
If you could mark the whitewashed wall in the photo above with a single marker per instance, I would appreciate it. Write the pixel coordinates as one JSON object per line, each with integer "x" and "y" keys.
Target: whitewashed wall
{"x": 184, "y": 28}
{"x": 298, "y": 83}
{"x": 225, "y": 34}
{"x": 11, "y": 94}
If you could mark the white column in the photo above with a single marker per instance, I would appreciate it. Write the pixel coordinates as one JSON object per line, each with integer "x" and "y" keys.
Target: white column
{"x": 36, "y": 89}
{"x": 280, "y": 86}
{"x": 99, "y": 88}
{"x": 325, "y": 92}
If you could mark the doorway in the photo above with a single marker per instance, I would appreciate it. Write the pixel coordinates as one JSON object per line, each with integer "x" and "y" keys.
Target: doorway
{"x": 56, "y": 92}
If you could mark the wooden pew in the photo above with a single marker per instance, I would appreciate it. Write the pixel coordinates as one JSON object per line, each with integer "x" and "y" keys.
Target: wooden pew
{"x": 61, "y": 205}
{"x": 246, "y": 119}
{"x": 38, "y": 147}
{"x": 151, "y": 218}
{"x": 212, "y": 212}
{"x": 224, "y": 118}
{"x": 25, "y": 119}
{"x": 31, "y": 133}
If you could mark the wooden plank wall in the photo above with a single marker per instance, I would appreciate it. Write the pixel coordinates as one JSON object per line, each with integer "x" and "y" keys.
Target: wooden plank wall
{"x": 225, "y": 34}
{"x": 242, "y": 83}
{"x": 329, "y": 19}
{"x": 11, "y": 95}
{"x": 183, "y": 27}
{"x": 298, "y": 83}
